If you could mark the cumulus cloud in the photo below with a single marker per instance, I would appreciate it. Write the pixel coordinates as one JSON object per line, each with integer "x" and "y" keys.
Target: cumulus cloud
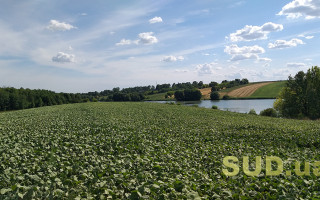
{"x": 249, "y": 33}
{"x": 63, "y": 58}
{"x": 306, "y": 37}
{"x": 204, "y": 69}
{"x": 147, "y": 38}
{"x": 124, "y": 42}
{"x": 309, "y": 37}
{"x": 155, "y": 20}
{"x": 280, "y": 44}
{"x": 59, "y": 26}
{"x": 245, "y": 52}
{"x": 234, "y": 49}
{"x": 296, "y": 65}
{"x": 265, "y": 60}
{"x": 172, "y": 58}
{"x": 144, "y": 38}
{"x": 302, "y": 8}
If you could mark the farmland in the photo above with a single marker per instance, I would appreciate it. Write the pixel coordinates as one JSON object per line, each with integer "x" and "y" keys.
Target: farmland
{"x": 149, "y": 151}
{"x": 269, "y": 91}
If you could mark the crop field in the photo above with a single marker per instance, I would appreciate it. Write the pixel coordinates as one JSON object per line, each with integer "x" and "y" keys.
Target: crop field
{"x": 247, "y": 91}
{"x": 269, "y": 91}
{"x": 151, "y": 151}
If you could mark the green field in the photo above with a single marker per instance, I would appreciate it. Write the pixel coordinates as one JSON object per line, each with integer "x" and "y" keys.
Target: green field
{"x": 149, "y": 151}
{"x": 270, "y": 91}
{"x": 157, "y": 97}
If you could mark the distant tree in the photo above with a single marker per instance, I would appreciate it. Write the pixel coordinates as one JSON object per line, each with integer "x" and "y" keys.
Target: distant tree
{"x": 226, "y": 97}
{"x": 195, "y": 84}
{"x": 192, "y": 95}
{"x": 200, "y": 85}
{"x": 215, "y": 96}
{"x": 244, "y": 81}
{"x": 214, "y": 88}
{"x": 116, "y": 89}
{"x": 4, "y": 100}
{"x": 121, "y": 97}
{"x": 212, "y": 84}
{"x": 179, "y": 95}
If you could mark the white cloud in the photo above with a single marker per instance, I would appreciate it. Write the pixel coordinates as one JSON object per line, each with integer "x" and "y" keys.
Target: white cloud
{"x": 172, "y": 58}
{"x": 155, "y": 20}
{"x": 207, "y": 68}
{"x": 124, "y": 42}
{"x": 280, "y": 44}
{"x": 181, "y": 70}
{"x": 147, "y": 38}
{"x": 296, "y": 65}
{"x": 265, "y": 60}
{"x": 144, "y": 38}
{"x": 246, "y": 56}
{"x": 308, "y": 8}
{"x": 249, "y": 33}
{"x": 245, "y": 52}
{"x": 309, "y": 37}
{"x": 306, "y": 37}
{"x": 234, "y": 49}
{"x": 59, "y": 26}
{"x": 63, "y": 58}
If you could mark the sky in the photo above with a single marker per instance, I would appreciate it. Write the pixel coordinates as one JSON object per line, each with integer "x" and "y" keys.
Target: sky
{"x": 82, "y": 46}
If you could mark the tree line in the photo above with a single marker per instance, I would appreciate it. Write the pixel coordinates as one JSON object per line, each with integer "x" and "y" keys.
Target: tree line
{"x": 300, "y": 98}
{"x": 15, "y": 99}
{"x": 139, "y": 93}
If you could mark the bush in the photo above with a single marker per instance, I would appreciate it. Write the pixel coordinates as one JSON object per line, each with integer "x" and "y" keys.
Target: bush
{"x": 226, "y": 97}
{"x": 214, "y": 107}
{"x": 270, "y": 112}
{"x": 252, "y": 112}
{"x": 179, "y": 95}
{"x": 192, "y": 95}
{"x": 215, "y": 95}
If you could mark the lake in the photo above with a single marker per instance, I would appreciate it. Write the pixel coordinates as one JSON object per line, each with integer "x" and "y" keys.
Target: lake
{"x": 241, "y": 106}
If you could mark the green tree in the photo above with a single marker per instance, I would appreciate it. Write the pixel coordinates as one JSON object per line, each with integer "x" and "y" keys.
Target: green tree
{"x": 179, "y": 95}
{"x": 192, "y": 95}
{"x": 301, "y": 96}
{"x": 215, "y": 95}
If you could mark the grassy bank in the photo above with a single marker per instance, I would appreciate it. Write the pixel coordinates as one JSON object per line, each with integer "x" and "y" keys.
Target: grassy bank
{"x": 149, "y": 151}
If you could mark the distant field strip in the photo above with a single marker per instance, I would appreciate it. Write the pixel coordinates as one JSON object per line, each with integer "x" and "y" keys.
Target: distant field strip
{"x": 247, "y": 90}
{"x": 206, "y": 92}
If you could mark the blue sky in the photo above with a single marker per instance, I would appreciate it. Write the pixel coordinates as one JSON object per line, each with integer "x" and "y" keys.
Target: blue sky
{"x": 81, "y": 46}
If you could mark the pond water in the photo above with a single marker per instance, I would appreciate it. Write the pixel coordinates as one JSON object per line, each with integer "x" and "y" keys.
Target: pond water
{"x": 241, "y": 106}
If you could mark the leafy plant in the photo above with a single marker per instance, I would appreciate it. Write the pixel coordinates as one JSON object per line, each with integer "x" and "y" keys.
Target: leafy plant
{"x": 140, "y": 150}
